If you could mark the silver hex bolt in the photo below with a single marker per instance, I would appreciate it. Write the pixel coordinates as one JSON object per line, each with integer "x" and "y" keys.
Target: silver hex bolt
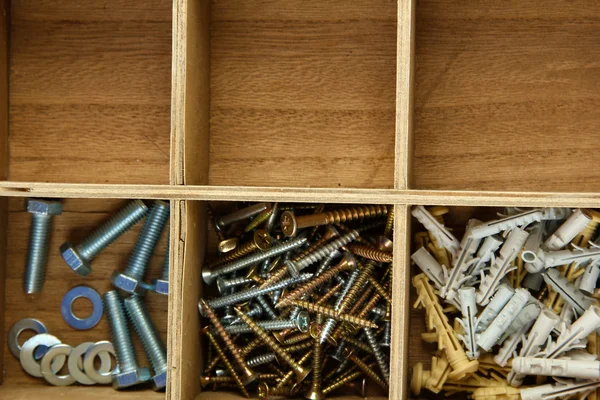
{"x": 131, "y": 279}
{"x": 130, "y": 373}
{"x": 161, "y": 286}
{"x": 79, "y": 257}
{"x": 150, "y": 338}
{"x": 42, "y": 212}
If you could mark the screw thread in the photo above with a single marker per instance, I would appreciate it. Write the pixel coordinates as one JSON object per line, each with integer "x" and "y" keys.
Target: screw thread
{"x": 322, "y": 241}
{"x": 316, "y": 366}
{"x": 227, "y": 363}
{"x": 247, "y": 349}
{"x": 355, "y": 214}
{"x": 389, "y": 224}
{"x": 300, "y": 337}
{"x": 255, "y": 258}
{"x": 332, "y": 313}
{"x": 387, "y": 334}
{"x": 239, "y": 251}
{"x": 290, "y": 374}
{"x": 326, "y": 249}
{"x": 37, "y": 254}
{"x": 326, "y": 263}
{"x": 275, "y": 325}
{"x": 379, "y": 356}
{"x": 347, "y": 286}
{"x": 261, "y": 359}
{"x": 368, "y": 371}
{"x": 357, "y": 343}
{"x": 356, "y": 288}
{"x": 149, "y": 236}
{"x": 234, "y": 282}
{"x": 342, "y": 381}
{"x": 110, "y": 231}
{"x": 146, "y": 331}
{"x": 370, "y": 253}
{"x": 166, "y": 264}
{"x": 259, "y": 219}
{"x": 275, "y": 277}
{"x": 119, "y": 331}
{"x": 267, "y": 307}
{"x": 327, "y": 330}
{"x": 381, "y": 291}
{"x": 298, "y": 347}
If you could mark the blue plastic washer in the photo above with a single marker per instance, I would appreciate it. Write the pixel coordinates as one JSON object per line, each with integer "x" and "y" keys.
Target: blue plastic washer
{"x": 67, "y": 310}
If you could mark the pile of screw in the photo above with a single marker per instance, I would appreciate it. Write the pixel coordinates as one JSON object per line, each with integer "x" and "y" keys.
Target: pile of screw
{"x": 306, "y": 286}
{"x": 522, "y": 293}
{"x": 130, "y": 281}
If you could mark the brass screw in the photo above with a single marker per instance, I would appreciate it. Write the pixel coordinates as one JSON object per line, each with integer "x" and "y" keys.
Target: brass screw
{"x": 287, "y": 377}
{"x": 211, "y": 365}
{"x": 370, "y": 253}
{"x": 249, "y": 375}
{"x": 247, "y": 349}
{"x": 264, "y": 391}
{"x": 298, "y": 347}
{"x": 332, "y": 313}
{"x": 291, "y": 223}
{"x": 259, "y": 219}
{"x": 226, "y": 361}
{"x": 342, "y": 381}
{"x": 368, "y": 371}
{"x": 315, "y": 392}
{"x": 389, "y": 224}
{"x": 329, "y": 234}
{"x": 300, "y": 372}
{"x": 301, "y": 337}
{"x": 225, "y": 245}
{"x": 356, "y": 288}
{"x": 260, "y": 241}
{"x": 380, "y": 289}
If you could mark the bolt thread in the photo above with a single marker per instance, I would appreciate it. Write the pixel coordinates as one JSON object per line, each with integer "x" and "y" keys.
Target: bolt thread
{"x": 332, "y": 313}
{"x": 37, "y": 254}
{"x": 368, "y": 371}
{"x": 325, "y": 250}
{"x": 300, "y": 337}
{"x": 298, "y": 347}
{"x": 275, "y": 325}
{"x": 389, "y": 224}
{"x": 311, "y": 285}
{"x": 257, "y": 257}
{"x": 166, "y": 264}
{"x": 149, "y": 236}
{"x": 290, "y": 374}
{"x": 248, "y": 294}
{"x": 261, "y": 359}
{"x": 371, "y": 253}
{"x": 227, "y": 363}
{"x": 119, "y": 331}
{"x": 355, "y": 214}
{"x": 110, "y": 231}
{"x": 342, "y": 381}
{"x": 379, "y": 356}
{"x": 327, "y": 330}
{"x": 267, "y": 307}
{"x": 146, "y": 331}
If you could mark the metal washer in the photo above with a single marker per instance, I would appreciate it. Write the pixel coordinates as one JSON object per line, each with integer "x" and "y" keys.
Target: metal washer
{"x": 28, "y": 362}
{"x": 59, "y": 350}
{"x": 88, "y": 362}
{"x": 67, "y": 310}
{"x": 27, "y": 324}
{"x": 75, "y": 363}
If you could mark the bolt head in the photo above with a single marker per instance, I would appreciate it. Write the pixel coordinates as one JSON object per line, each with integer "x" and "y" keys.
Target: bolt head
{"x": 303, "y": 321}
{"x": 131, "y": 378}
{"x": 160, "y": 286}
{"x": 74, "y": 260}
{"x": 159, "y": 382}
{"x": 289, "y": 225}
{"x": 128, "y": 284}
{"x": 44, "y": 207}
{"x": 207, "y": 276}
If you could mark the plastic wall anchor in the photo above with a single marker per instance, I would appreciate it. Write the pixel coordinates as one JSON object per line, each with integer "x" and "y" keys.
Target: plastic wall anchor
{"x": 525, "y": 318}
{"x": 532, "y": 246}
{"x": 576, "y": 223}
{"x": 581, "y": 369}
{"x": 496, "y": 393}
{"x": 577, "y": 332}
{"x": 438, "y": 321}
{"x": 511, "y": 222}
{"x": 509, "y": 347}
{"x": 567, "y": 291}
{"x": 501, "y": 265}
{"x": 509, "y": 312}
{"x": 589, "y": 279}
{"x": 537, "y": 337}
{"x": 549, "y": 259}
{"x": 439, "y": 231}
{"x": 491, "y": 311}
{"x": 429, "y": 265}
{"x": 561, "y": 390}
{"x": 468, "y": 307}
{"x": 484, "y": 254}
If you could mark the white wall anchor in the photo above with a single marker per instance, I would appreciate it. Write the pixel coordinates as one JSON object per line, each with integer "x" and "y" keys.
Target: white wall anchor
{"x": 491, "y": 311}
{"x": 581, "y": 369}
{"x": 561, "y": 390}
{"x": 439, "y": 231}
{"x": 484, "y": 254}
{"x": 468, "y": 308}
{"x": 567, "y": 291}
{"x": 589, "y": 279}
{"x": 571, "y": 337}
{"x": 429, "y": 265}
{"x": 568, "y": 230}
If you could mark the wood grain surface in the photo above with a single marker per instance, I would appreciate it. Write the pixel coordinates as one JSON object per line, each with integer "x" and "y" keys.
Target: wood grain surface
{"x": 507, "y": 95}
{"x": 90, "y": 91}
{"x": 303, "y": 93}
{"x": 79, "y": 218}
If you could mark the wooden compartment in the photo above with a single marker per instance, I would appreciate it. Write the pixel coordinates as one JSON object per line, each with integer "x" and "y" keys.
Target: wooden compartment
{"x": 506, "y": 95}
{"x": 79, "y": 218}
{"x": 89, "y": 88}
{"x": 289, "y": 93}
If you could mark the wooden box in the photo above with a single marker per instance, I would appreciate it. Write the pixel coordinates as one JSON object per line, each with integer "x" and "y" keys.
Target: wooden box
{"x": 403, "y": 102}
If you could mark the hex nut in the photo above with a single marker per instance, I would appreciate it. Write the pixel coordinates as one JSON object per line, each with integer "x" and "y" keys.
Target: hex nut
{"x": 159, "y": 382}
{"x": 131, "y": 378}
{"x": 160, "y": 286}
{"x": 74, "y": 260}
{"x": 44, "y": 207}
{"x": 128, "y": 284}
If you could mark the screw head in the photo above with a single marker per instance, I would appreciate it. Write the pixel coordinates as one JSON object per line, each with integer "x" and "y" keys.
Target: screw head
{"x": 207, "y": 276}
{"x": 289, "y": 225}
{"x": 314, "y": 394}
{"x": 128, "y": 284}
{"x": 74, "y": 260}
{"x": 227, "y": 245}
{"x": 301, "y": 373}
{"x": 44, "y": 207}
{"x": 263, "y": 390}
{"x": 131, "y": 378}
{"x": 221, "y": 285}
{"x": 262, "y": 239}
{"x": 385, "y": 244}
{"x": 303, "y": 321}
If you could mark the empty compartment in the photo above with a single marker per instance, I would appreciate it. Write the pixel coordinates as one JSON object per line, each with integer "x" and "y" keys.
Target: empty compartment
{"x": 506, "y": 96}
{"x": 89, "y": 91}
{"x": 79, "y": 218}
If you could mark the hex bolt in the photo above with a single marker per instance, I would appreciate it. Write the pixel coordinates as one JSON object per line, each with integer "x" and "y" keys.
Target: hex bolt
{"x": 240, "y": 215}
{"x": 42, "y": 212}
{"x": 78, "y": 258}
{"x": 131, "y": 279}
{"x": 130, "y": 373}
{"x": 161, "y": 286}
{"x": 209, "y": 275}
{"x": 150, "y": 338}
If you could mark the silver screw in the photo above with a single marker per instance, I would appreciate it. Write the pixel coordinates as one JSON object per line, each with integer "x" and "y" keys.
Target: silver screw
{"x": 240, "y": 215}
{"x": 161, "y": 286}
{"x": 150, "y": 338}
{"x": 331, "y": 323}
{"x": 78, "y": 258}
{"x": 39, "y": 237}
{"x": 327, "y": 261}
{"x": 272, "y": 325}
{"x": 131, "y": 280}
{"x": 261, "y": 359}
{"x": 224, "y": 284}
{"x": 254, "y": 312}
{"x": 379, "y": 356}
{"x": 129, "y": 372}
{"x": 267, "y": 307}
{"x": 386, "y": 337}
{"x": 248, "y": 294}
{"x": 210, "y": 275}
